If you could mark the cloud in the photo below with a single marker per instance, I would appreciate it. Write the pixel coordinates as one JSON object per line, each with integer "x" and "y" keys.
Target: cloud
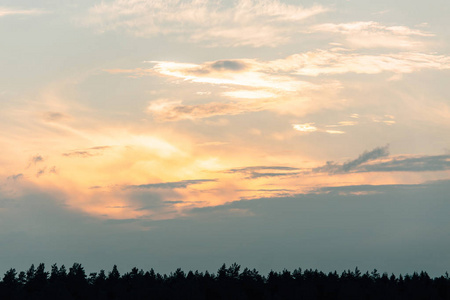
{"x": 7, "y": 11}
{"x": 276, "y": 85}
{"x": 386, "y": 119}
{"x": 307, "y": 127}
{"x": 310, "y": 127}
{"x": 329, "y": 62}
{"x": 53, "y": 116}
{"x": 133, "y": 73}
{"x": 231, "y": 65}
{"x": 37, "y": 159}
{"x": 343, "y": 123}
{"x": 410, "y": 164}
{"x": 333, "y": 168}
{"x": 169, "y": 185}
{"x": 357, "y": 27}
{"x": 373, "y": 34}
{"x": 40, "y": 172}
{"x": 78, "y": 153}
{"x": 249, "y": 73}
{"x": 260, "y": 171}
{"x": 365, "y": 163}
{"x": 217, "y": 23}
{"x": 169, "y": 110}
{"x": 93, "y": 151}
{"x": 365, "y": 157}
{"x": 243, "y": 94}
{"x": 370, "y": 189}
{"x": 281, "y": 75}
{"x": 15, "y": 177}
{"x": 335, "y": 131}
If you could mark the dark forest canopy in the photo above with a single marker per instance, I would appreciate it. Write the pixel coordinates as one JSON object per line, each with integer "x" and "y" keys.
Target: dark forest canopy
{"x": 232, "y": 282}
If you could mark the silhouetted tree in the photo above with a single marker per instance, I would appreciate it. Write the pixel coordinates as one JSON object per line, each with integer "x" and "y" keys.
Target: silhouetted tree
{"x": 230, "y": 283}
{"x": 9, "y": 279}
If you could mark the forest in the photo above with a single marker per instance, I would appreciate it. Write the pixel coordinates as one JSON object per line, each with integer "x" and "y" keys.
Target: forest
{"x": 232, "y": 282}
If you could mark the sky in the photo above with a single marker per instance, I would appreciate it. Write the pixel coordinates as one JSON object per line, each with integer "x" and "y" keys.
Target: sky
{"x": 191, "y": 133}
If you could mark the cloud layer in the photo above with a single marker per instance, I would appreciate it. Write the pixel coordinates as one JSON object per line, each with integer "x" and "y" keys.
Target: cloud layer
{"x": 264, "y": 85}
{"x": 375, "y": 35}
{"x": 9, "y": 11}
{"x": 169, "y": 185}
{"x": 217, "y": 23}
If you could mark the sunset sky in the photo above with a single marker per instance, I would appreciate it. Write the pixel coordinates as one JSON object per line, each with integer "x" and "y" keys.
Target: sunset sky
{"x": 191, "y": 133}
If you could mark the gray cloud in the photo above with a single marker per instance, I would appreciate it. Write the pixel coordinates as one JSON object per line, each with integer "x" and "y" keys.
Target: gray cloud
{"x": 327, "y": 231}
{"x": 258, "y": 168}
{"x": 231, "y": 65}
{"x": 51, "y": 116}
{"x": 99, "y": 148}
{"x": 46, "y": 170}
{"x": 333, "y": 168}
{"x": 78, "y": 153}
{"x": 53, "y": 170}
{"x": 88, "y": 152}
{"x": 173, "y": 202}
{"x": 152, "y": 202}
{"x": 15, "y": 177}
{"x": 121, "y": 221}
{"x": 266, "y": 190}
{"x": 411, "y": 164}
{"x": 37, "y": 159}
{"x": 255, "y": 172}
{"x": 40, "y": 172}
{"x": 254, "y": 175}
{"x": 363, "y": 163}
{"x": 169, "y": 185}
{"x": 365, "y": 157}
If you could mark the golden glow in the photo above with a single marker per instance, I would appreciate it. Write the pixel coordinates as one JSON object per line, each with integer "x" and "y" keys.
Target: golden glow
{"x": 249, "y": 94}
{"x": 335, "y": 131}
{"x": 200, "y": 125}
{"x": 307, "y": 127}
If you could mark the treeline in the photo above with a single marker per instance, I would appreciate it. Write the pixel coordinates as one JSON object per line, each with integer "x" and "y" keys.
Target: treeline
{"x": 228, "y": 283}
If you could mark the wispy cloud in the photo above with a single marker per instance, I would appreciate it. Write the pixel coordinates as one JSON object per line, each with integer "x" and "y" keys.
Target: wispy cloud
{"x": 54, "y": 116}
{"x": 170, "y": 110}
{"x": 369, "y": 162}
{"x": 36, "y": 159}
{"x": 343, "y": 123}
{"x": 410, "y": 164}
{"x": 311, "y": 127}
{"x": 373, "y": 34}
{"x": 93, "y": 151}
{"x": 9, "y": 11}
{"x": 15, "y": 177}
{"x": 268, "y": 84}
{"x": 281, "y": 75}
{"x": 386, "y": 119}
{"x": 334, "y": 131}
{"x": 240, "y": 72}
{"x": 307, "y": 127}
{"x": 376, "y": 160}
{"x": 169, "y": 185}
{"x": 334, "y": 168}
{"x": 217, "y": 23}
{"x": 40, "y": 172}
{"x": 265, "y": 171}
{"x": 134, "y": 73}
{"x": 328, "y": 62}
